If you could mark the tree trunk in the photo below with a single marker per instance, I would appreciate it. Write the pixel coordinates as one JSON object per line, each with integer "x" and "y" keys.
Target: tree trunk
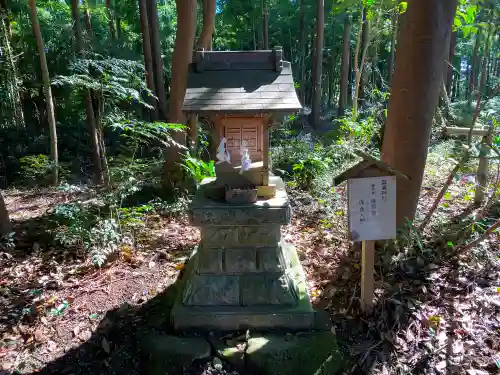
{"x": 148, "y": 58}
{"x": 364, "y": 50}
{"x": 86, "y": 17}
{"x": 254, "y": 33}
{"x": 75, "y": 13}
{"x": 11, "y": 69}
{"x": 456, "y": 92}
{"x": 184, "y": 39}
{"x": 118, "y": 27}
{"x": 204, "y": 42}
{"x": 331, "y": 79}
{"x": 361, "y": 47}
{"x": 48, "y": 92}
{"x": 451, "y": 58}
{"x": 89, "y": 109}
{"x": 392, "y": 55}
{"x": 111, "y": 24}
{"x": 205, "y": 38}
{"x": 305, "y": 80}
{"x": 318, "y": 63}
{"x": 310, "y": 90}
{"x": 302, "y": 57}
{"x": 4, "y": 12}
{"x": 344, "y": 69}
{"x": 415, "y": 92}
{"x": 5, "y": 227}
{"x": 351, "y": 76}
{"x": 473, "y": 70}
{"x": 265, "y": 25}
{"x": 154, "y": 32}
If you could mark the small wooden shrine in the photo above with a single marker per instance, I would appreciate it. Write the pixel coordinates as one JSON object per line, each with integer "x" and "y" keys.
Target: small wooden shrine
{"x": 242, "y": 275}
{"x": 242, "y": 93}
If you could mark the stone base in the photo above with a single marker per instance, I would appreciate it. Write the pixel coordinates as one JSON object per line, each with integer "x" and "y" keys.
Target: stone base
{"x": 230, "y": 317}
{"x": 165, "y": 354}
{"x": 314, "y": 353}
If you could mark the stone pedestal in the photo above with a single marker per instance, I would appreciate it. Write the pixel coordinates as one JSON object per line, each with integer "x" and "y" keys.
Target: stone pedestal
{"x": 242, "y": 275}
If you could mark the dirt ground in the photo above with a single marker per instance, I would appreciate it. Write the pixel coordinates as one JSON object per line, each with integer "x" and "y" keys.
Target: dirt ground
{"x": 434, "y": 314}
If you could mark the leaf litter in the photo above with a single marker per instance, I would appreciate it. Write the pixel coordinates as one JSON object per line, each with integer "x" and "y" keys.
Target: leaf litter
{"x": 434, "y": 313}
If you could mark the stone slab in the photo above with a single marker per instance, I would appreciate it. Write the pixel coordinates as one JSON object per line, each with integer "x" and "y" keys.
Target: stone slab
{"x": 312, "y": 353}
{"x": 211, "y": 290}
{"x": 241, "y": 260}
{"x": 167, "y": 354}
{"x": 278, "y": 290}
{"x": 207, "y": 212}
{"x": 216, "y": 236}
{"x": 266, "y": 316}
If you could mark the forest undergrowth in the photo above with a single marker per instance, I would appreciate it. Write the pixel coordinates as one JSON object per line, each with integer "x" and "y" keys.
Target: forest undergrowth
{"x": 436, "y": 307}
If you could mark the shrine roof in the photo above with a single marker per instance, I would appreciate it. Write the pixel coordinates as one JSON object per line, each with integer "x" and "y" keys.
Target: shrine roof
{"x": 240, "y": 81}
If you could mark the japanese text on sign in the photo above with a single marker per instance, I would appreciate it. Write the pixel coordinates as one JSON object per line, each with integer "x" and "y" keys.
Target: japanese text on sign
{"x": 372, "y": 208}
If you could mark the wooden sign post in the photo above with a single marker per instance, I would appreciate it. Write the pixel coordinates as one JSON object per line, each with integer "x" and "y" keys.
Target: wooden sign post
{"x": 371, "y": 193}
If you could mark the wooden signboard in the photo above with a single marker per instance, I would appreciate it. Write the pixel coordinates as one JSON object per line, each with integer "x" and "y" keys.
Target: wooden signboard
{"x": 372, "y": 208}
{"x": 371, "y": 188}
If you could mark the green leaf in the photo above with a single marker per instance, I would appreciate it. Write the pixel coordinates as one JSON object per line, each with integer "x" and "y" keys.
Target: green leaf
{"x": 402, "y": 7}
{"x": 447, "y": 195}
{"x": 471, "y": 13}
{"x": 449, "y": 244}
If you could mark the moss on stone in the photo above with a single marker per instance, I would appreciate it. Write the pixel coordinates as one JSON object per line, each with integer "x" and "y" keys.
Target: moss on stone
{"x": 314, "y": 353}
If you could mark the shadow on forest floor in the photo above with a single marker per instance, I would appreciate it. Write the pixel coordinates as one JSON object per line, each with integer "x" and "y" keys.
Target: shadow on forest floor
{"x": 430, "y": 310}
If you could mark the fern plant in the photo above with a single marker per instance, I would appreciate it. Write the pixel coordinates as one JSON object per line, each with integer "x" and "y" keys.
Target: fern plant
{"x": 198, "y": 169}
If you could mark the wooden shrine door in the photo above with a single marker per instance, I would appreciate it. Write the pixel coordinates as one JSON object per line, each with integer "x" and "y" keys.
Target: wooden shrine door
{"x": 236, "y": 129}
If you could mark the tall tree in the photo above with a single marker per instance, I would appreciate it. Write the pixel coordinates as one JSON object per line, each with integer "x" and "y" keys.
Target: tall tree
{"x": 392, "y": 55}
{"x": 5, "y": 227}
{"x": 86, "y": 17}
{"x": 474, "y": 69}
{"x": 205, "y": 38}
{"x": 47, "y": 90}
{"x": 318, "y": 63}
{"x": 111, "y": 23}
{"x": 204, "y": 42}
{"x": 148, "y": 57}
{"x": 344, "y": 69}
{"x": 12, "y": 72}
{"x": 359, "y": 58}
{"x": 302, "y": 56}
{"x": 183, "y": 51}
{"x": 415, "y": 92}
{"x": 449, "y": 64}
{"x": 364, "y": 50}
{"x": 154, "y": 30}
{"x": 87, "y": 100}
{"x": 265, "y": 24}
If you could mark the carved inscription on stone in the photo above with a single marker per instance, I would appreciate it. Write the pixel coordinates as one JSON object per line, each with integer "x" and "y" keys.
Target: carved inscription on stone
{"x": 271, "y": 289}
{"x": 219, "y": 236}
{"x": 259, "y": 236}
{"x": 271, "y": 259}
{"x": 209, "y": 260}
{"x": 240, "y": 260}
{"x": 206, "y": 290}
{"x": 240, "y": 216}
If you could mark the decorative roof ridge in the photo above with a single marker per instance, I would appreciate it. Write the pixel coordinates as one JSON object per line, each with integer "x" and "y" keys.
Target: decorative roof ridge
{"x": 239, "y": 60}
